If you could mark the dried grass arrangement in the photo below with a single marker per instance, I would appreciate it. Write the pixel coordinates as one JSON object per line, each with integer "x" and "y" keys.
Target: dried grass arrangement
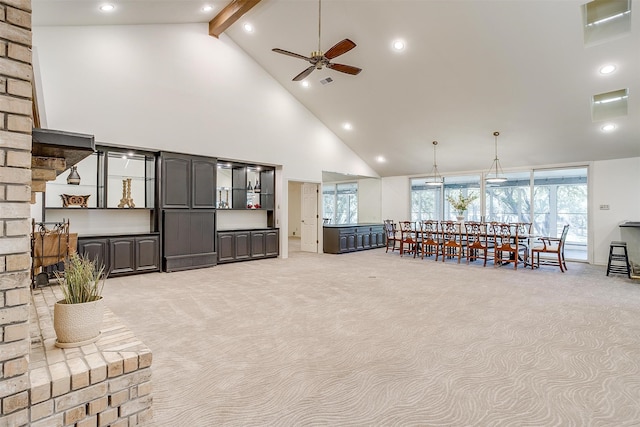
{"x": 82, "y": 280}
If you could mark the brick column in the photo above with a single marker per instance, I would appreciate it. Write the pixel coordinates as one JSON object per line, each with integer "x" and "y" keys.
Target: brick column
{"x": 15, "y": 178}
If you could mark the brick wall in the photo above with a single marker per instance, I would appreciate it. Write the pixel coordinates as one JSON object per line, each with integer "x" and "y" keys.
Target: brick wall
{"x": 15, "y": 177}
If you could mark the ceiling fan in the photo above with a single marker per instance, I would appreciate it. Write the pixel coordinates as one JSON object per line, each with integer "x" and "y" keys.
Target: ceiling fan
{"x": 318, "y": 59}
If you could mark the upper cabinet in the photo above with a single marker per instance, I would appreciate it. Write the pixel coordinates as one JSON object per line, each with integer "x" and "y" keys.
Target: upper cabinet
{"x": 130, "y": 179}
{"x": 109, "y": 178}
{"x": 188, "y": 182}
{"x": 242, "y": 186}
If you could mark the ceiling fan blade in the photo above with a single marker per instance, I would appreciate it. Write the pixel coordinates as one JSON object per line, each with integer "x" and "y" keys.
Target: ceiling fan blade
{"x": 339, "y": 48}
{"x": 345, "y": 68}
{"x": 295, "y": 55}
{"x": 304, "y": 74}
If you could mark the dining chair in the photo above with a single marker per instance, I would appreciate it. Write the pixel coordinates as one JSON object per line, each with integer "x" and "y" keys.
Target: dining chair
{"x": 506, "y": 245}
{"x": 408, "y": 238}
{"x": 391, "y": 233}
{"x": 430, "y": 239}
{"x": 452, "y": 245}
{"x": 477, "y": 246}
{"x": 550, "y": 245}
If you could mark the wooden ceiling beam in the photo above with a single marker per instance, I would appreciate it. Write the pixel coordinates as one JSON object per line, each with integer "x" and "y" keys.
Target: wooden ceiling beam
{"x": 230, "y": 14}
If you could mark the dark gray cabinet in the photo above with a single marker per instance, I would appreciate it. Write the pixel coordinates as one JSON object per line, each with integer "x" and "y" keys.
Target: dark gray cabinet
{"x": 96, "y": 249}
{"x": 188, "y": 201}
{"x": 122, "y": 255}
{"x": 188, "y": 182}
{"x": 242, "y": 245}
{"x": 338, "y": 239}
{"x": 188, "y": 239}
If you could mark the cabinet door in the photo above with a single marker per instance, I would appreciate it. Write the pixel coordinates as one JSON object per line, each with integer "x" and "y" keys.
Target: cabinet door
{"x": 272, "y": 243}
{"x": 226, "y": 247}
{"x": 343, "y": 243}
{"x": 203, "y": 177}
{"x": 359, "y": 241}
{"x": 257, "y": 244}
{"x": 366, "y": 240}
{"x": 122, "y": 255}
{"x": 176, "y": 181}
{"x": 267, "y": 184}
{"x": 202, "y": 234}
{"x": 351, "y": 242}
{"x": 243, "y": 246}
{"x": 96, "y": 250}
{"x": 147, "y": 253}
{"x": 176, "y": 227}
{"x": 239, "y": 188}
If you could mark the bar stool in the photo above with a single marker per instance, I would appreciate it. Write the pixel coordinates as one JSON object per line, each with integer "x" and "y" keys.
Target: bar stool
{"x": 618, "y": 261}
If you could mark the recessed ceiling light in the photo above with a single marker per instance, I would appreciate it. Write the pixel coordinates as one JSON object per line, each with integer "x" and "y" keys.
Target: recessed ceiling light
{"x": 347, "y": 126}
{"x": 607, "y": 69}
{"x": 107, "y": 7}
{"x": 305, "y": 83}
{"x": 207, "y": 8}
{"x": 380, "y": 159}
{"x": 248, "y": 27}
{"x": 398, "y": 45}
{"x": 608, "y": 127}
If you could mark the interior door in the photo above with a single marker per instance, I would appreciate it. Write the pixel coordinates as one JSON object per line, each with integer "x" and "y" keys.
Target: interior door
{"x": 309, "y": 217}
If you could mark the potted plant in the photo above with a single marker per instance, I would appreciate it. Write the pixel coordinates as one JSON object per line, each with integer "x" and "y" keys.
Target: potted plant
{"x": 461, "y": 203}
{"x": 77, "y": 317}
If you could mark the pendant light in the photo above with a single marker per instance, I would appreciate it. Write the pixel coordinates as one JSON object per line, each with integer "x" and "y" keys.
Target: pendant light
{"x": 74, "y": 177}
{"x": 434, "y": 179}
{"x": 495, "y": 174}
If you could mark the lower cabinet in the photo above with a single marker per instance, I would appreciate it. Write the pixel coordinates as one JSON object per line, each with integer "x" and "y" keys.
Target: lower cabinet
{"x": 123, "y": 255}
{"x": 188, "y": 239}
{"x": 242, "y": 245}
{"x": 349, "y": 238}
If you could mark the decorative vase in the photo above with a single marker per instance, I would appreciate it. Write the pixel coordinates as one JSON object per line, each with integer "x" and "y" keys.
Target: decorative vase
{"x": 460, "y": 218}
{"x": 77, "y": 324}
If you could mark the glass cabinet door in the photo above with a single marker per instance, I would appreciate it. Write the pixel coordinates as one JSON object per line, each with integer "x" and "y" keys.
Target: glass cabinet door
{"x": 224, "y": 181}
{"x": 130, "y": 180}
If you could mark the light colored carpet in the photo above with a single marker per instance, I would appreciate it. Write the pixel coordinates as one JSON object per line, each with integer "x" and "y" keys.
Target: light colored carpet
{"x": 372, "y": 339}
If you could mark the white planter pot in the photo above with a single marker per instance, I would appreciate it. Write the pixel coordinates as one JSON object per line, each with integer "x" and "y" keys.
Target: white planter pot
{"x": 77, "y": 324}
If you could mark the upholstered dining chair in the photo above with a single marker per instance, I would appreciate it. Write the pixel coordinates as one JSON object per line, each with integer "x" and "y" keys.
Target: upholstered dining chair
{"x": 477, "y": 246}
{"x": 550, "y": 245}
{"x": 391, "y": 234}
{"x": 408, "y": 238}
{"x": 430, "y": 239}
{"x": 506, "y": 245}
{"x": 452, "y": 245}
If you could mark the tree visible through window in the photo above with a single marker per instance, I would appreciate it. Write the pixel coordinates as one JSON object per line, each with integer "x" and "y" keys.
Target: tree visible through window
{"x": 340, "y": 202}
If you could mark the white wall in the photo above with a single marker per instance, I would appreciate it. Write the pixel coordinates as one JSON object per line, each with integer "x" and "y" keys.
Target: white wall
{"x": 615, "y": 183}
{"x": 396, "y": 198}
{"x": 369, "y": 199}
{"x": 175, "y": 88}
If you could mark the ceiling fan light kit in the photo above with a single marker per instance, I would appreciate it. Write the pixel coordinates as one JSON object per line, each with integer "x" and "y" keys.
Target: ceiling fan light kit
{"x": 319, "y": 60}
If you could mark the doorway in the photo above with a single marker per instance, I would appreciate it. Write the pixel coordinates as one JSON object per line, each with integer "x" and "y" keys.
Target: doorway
{"x": 303, "y": 216}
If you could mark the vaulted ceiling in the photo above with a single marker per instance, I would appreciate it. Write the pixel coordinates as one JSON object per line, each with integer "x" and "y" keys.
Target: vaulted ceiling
{"x": 469, "y": 68}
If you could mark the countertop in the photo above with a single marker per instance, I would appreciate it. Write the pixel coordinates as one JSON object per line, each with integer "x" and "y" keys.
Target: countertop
{"x": 364, "y": 224}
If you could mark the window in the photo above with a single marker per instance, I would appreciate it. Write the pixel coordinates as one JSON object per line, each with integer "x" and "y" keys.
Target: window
{"x": 425, "y": 200}
{"x": 509, "y": 201}
{"x": 340, "y": 202}
{"x": 559, "y": 198}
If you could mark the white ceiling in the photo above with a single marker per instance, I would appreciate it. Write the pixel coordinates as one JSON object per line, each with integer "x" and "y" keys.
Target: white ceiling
{"x": 470, "y": 67}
